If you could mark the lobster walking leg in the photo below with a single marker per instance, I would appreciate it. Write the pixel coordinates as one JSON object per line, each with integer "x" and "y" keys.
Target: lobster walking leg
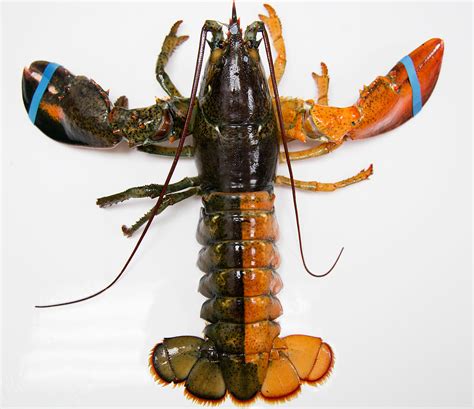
{"x": 152, "y": 191}
{"x": 314, "y": 186}
{"x": 169, "y": 200}
{"x": 318, "y": 150}
{"x": 322, "y": 84}
{"x": 187, "y": 152}
{"x": 273, "y": 24}
{"x": 171, "y": 42}
{"x": 175, "y": 193}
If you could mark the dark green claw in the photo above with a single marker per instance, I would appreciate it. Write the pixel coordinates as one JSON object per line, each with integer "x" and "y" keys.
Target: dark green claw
{"x": 73, "y": 109}
{"x": 77, "y": 111}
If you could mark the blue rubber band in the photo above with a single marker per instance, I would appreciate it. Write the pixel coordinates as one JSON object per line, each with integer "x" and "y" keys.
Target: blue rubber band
{"x": 415, "y": 84}
{"x": 40, "y": 89}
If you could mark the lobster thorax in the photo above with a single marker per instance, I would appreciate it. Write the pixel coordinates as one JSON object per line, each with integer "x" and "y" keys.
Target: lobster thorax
{"x": 235, "y": 125}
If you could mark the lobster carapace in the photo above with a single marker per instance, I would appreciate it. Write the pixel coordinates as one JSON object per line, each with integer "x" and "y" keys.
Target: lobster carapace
{"x": 236, "y": 144}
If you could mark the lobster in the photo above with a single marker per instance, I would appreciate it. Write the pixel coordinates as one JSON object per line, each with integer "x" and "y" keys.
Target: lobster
{"x": 236, "y": 140}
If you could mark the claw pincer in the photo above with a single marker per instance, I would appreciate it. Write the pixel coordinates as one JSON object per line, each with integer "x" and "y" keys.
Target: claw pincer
{"x": 70, "y": 109}
{"x": 76, "y": 110}
{"x": 392, "y": 100}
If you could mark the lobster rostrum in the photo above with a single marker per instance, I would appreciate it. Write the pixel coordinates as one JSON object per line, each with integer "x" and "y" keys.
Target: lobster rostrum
{"x": 236, "y": 144}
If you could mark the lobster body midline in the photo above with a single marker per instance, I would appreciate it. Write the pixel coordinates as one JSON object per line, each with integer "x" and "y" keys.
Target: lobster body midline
{"x": 236, "y": 150}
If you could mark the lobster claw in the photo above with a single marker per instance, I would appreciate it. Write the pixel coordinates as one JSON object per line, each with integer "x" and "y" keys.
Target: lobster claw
{"x": 388, "y": 101}
{"x": 67, "y": 108}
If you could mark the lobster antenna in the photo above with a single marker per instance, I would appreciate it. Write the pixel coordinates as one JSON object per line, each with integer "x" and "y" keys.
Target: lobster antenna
{"x": 197, "y": 72}
{"x": 287, "y": 155}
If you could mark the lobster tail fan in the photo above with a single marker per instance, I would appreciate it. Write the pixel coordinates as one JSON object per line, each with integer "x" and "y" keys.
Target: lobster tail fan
{"x": 296, "y": 359}
{"x": 206, "y": 381}
{"x": 312, "y": 358}
{"x": 174, "y": 358}
{"x": 189, "y": 359}
{"x": 244, "y": 374}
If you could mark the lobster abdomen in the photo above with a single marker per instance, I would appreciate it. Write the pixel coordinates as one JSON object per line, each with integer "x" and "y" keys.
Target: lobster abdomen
{"x": 241, "y": 352}
{"x": 239, "y": 231}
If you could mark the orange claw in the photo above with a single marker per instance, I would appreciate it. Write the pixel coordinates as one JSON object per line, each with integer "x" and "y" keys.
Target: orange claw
{"x": 383, "y": 105}
{"x": 387, "y": 102}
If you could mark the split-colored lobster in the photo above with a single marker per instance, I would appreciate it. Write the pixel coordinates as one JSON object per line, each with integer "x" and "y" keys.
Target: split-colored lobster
{"x": 236, "y": 140}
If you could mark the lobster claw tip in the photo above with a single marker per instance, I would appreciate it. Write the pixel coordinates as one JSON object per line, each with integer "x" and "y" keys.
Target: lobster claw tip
{"x": 427, "y": 59}
{"x": 43, "y": 103}
{"x": 33, "y": 75}
{"x": 63, "y": 106}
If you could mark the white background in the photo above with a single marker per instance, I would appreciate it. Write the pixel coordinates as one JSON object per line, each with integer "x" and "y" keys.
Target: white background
{"x": 396, "y": 310}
